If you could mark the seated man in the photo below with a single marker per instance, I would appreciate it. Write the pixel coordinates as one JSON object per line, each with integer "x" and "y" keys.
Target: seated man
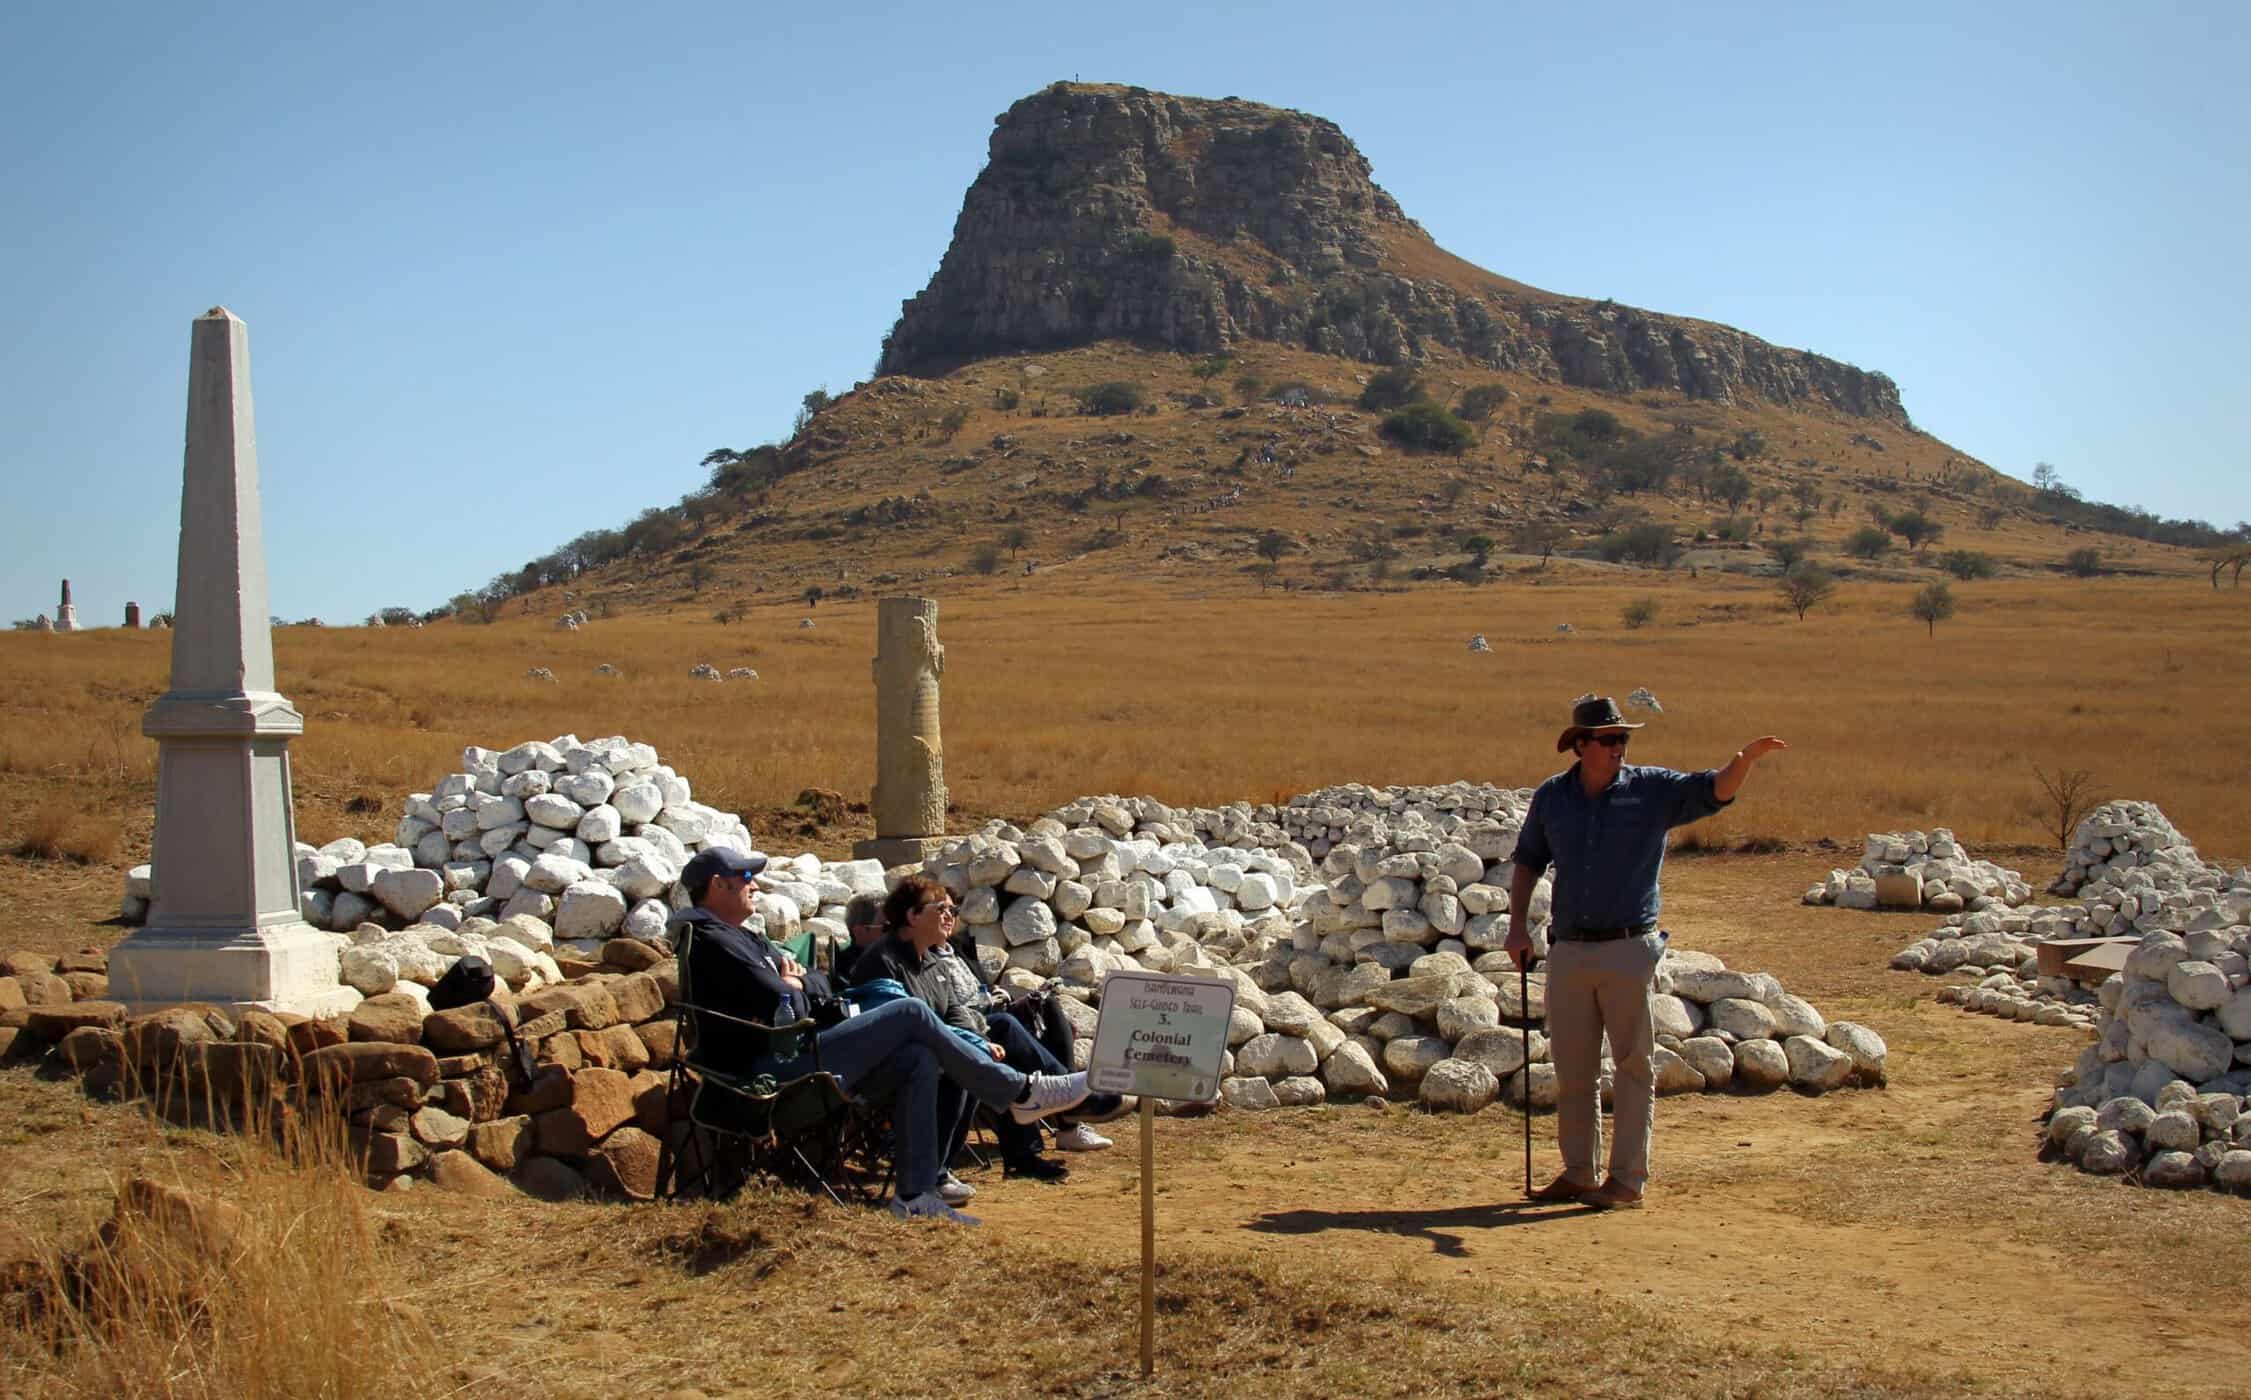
{"x": 863, "y": 920}
{"x": 917, "y": 920}
{"x": 900, "y": 1052}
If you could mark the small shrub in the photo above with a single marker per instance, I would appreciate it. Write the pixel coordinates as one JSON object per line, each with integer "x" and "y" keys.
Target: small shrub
{"x": 2084, "y": 563}
{"x": 1006, "y": 400}
{"x": 1789, "y": 552}
{"x": 1645, "y": 543}
{"x": 59, "y": 832}
{"x": 1639, "y": 613}
{"x": 1479, "y": 401}
{"x": 1967, "y": 564}
{"x": 1112, "y": 397}
{"x": 1155, "y": 247}
{"x": 1736, "y": 529}
{"x": 1248, "y": 387}
{"x": 1426, "y": 425}
{"x": 1868, "y": 542}
{"x": 985, "y": 559}
{"x": 1390, "y": 388}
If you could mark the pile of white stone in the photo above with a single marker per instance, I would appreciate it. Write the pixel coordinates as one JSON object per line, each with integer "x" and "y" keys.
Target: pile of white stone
{"x": 1377, "y": 972}
{"x": 2134, "y": 874}
{"x": 585, "y": 836}
{"x": 2160, "y": 1093}
{"x": 2126, "y": 835}
{"x": 1918, "y": 870}
{"x": 1995, "y": 951}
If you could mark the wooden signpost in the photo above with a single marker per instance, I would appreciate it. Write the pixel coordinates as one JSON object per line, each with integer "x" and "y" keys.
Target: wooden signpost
{"x": 1158, "y": 1037}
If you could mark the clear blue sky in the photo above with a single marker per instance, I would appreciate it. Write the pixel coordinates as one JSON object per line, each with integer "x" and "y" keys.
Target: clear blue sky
{"x": 511, "y": 270}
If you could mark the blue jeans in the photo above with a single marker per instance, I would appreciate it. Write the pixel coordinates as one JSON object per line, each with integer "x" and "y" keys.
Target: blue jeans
{"x": 901, "y": 1053}
{"x": 1017, "y": 1140}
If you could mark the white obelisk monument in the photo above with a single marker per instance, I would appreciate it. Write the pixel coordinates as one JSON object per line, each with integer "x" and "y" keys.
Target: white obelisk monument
{"x": 223, "y": 923}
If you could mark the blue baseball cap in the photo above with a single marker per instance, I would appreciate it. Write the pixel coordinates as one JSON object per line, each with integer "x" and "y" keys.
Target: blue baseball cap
{"x": 714, "y": 861}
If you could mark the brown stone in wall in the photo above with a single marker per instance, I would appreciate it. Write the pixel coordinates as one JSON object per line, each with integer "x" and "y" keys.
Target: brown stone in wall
{"x": 661, "y": 1038}
{"x": 43, "y": 989}
{"x": 637, "y": 996}
{"x": 85, "y": 986}
{"x": 52, "y": 1021}
{"x": 11, "y": 994}
{"x": 24, "y": 963}
{"x": 601, "y": 1099}
{"x": 562, "y": 1048}
{"x": 550, "y": 1087}
{"x": 502, "y": 1143}
{"x": 357, "y": 1061}
{"x": 394, "y": 1017}
{"x": 625, "y": 1164}
{"x": 464, "y": 1175}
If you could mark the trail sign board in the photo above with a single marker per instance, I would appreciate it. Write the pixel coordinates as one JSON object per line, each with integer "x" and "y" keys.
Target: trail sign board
{"x": 1161, "y": 1037}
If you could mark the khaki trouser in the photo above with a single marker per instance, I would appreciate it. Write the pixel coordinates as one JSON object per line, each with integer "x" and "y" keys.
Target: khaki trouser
{"x": 1595, "y": 988}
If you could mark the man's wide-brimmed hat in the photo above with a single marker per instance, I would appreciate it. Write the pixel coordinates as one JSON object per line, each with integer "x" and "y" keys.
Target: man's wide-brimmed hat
{"x": 1589, "y": 713}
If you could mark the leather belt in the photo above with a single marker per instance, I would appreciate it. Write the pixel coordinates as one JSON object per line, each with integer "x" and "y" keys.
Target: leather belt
{"x": 1605, "y": 935}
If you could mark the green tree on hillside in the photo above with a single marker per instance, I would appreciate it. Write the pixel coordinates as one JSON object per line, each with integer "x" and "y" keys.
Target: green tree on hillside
{"x": 1868, "y": 542}
{"x": 1014, "y": 538}
{"x": 1388, "y": 389}
{"x": 1273, "y": 545}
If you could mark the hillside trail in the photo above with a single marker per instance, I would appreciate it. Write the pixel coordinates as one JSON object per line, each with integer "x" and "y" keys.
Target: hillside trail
{"x": 1909, "y": 1226}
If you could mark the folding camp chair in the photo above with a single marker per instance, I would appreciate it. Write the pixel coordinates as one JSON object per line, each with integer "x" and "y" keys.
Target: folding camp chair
{"x": 808, "y": 1130}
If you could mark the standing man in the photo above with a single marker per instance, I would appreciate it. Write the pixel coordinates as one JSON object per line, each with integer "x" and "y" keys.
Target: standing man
{"x": 1601, "y": 823}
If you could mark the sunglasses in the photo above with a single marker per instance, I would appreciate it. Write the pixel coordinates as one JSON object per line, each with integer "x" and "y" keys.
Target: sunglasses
{"x": 1610, "y": 741}
{"x": 944, "y": 910}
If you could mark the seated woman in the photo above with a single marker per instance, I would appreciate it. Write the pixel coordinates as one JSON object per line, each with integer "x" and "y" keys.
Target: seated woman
{"x": 918, "y": 919}
{"x": 1033, "y": 1032}
{"x": 900, "y": 1053}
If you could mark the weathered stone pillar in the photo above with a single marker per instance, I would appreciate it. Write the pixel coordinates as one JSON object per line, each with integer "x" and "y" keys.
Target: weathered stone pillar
{"x": 223, "y": 923}
{"x": 66, "y": 616}
{"x": 910, "y": 760}
{"x": 133, "y": 615}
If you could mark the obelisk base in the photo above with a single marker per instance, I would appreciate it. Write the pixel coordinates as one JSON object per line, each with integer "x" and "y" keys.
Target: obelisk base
{"x": 899, "y": 850}
{"x": 284, "y": 967}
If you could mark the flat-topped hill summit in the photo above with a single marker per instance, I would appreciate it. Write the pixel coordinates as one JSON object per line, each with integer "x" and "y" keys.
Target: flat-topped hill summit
{"x": 1198, "y": 225}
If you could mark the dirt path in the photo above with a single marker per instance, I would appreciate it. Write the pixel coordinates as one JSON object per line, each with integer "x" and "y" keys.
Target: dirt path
{"x": 1909, "y": 1226}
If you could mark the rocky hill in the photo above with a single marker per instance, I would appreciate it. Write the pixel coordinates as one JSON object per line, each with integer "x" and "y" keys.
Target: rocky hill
{"x": 1196, "y": 225}
{"x": 1147, "y": 354}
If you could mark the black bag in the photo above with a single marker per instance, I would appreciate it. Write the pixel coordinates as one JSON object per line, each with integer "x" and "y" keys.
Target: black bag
{"x": 467, "y": 982}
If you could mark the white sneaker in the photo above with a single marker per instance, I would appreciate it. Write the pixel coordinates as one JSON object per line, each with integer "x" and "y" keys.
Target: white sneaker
{"x": 953, "y": 1190}
{"x": 1049, "y": 1093}
{"x": 927, "y": 1206}
{"x": 1081, "y": 1138}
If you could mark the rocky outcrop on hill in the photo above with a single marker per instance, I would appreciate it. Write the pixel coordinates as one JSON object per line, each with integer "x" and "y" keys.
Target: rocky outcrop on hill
{"x": 1194, "y": 224}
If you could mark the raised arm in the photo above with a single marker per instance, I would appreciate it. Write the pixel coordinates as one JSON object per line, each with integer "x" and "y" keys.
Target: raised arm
{"x": 1729, "y": 780}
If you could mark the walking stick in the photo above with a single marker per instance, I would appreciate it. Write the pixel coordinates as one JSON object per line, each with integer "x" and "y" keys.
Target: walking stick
{"x": 1524, "y": 1005}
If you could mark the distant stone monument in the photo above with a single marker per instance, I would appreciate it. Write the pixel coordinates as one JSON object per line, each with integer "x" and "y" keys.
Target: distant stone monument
{"x": 41, "y": 624}
{"x": 224, "y": 925}
{"x": 910, "y": 760}
{"x": 133, "y": 615}
{"x": 66, "y": 616}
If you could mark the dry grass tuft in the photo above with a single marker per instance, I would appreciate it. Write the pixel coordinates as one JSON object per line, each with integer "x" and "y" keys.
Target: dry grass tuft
{"x": 229, "y": 1268}
{"x": 58, "y": 831}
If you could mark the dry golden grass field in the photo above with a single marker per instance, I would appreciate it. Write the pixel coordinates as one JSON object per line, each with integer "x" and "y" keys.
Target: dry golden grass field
{"x": 1903, "y": 1241}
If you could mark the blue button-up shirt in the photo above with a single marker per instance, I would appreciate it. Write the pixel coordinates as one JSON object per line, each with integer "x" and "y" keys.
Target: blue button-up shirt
{"x": 1608, "y": 848}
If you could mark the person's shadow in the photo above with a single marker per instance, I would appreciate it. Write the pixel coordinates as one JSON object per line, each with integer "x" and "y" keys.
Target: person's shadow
{"x": 1437, "y": 1226}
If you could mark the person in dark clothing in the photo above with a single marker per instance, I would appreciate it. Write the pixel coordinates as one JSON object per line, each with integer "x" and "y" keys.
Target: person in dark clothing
{"x": 917, "y": 920}
{"x": 863, "y": 921}
{"x": 900, "y": 1052}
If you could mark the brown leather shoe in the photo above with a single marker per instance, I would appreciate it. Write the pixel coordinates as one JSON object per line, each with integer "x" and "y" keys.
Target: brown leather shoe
{"x": 1612, "y": 1196}
{"x": 1560, "y": 1190}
